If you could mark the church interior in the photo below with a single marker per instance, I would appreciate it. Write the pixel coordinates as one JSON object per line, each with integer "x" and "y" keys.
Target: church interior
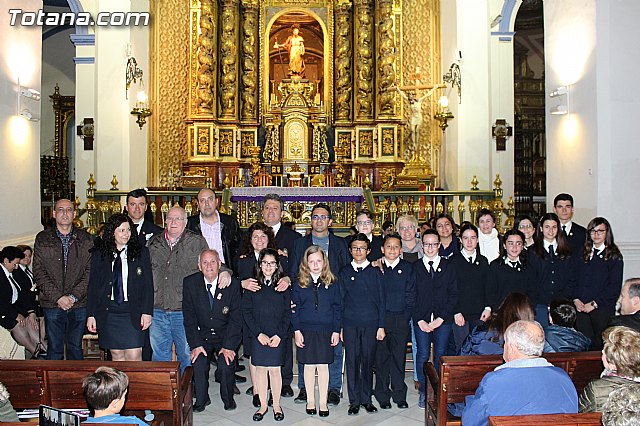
{"x": 410, "y": 106}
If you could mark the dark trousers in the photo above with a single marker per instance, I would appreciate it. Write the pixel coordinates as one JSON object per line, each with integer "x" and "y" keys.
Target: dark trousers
{"x": 147, "y": 353}
{"x": 360, "y": 352}
{"x": 593, "y": 324}
{"x": 224, "y": 373}
{"x": 287, "y": 369}
{"x": 65, "y": 326}
{"x": 390, "y": 360}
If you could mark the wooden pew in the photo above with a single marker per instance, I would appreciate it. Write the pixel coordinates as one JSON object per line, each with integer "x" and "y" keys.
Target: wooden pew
{"x": 155, "y": 386}
{"x": 460, "y": 376}
{"x": 583, "y": 419}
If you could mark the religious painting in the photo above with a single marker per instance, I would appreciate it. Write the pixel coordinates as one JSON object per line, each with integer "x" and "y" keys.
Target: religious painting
{"x": 343, "y": 139}
{"x": 226, "y": 142}
{"x": 247, "y": 140}
{"x": 203, "y": 142}
{"x": 365, "y": 143}
{"x": 388, "y": 138}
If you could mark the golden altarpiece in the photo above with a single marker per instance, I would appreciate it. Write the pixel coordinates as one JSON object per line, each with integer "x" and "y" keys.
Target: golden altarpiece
{"x": 255, "y": 115}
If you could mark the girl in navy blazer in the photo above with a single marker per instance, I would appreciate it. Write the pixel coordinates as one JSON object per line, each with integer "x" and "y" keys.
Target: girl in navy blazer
{"x": 120, "y": 292}
{"x": 436, "y": 299}
{"x": 599, "y": 281}
{"x": 554, "y": 267}
{"x": 317, "y": 320}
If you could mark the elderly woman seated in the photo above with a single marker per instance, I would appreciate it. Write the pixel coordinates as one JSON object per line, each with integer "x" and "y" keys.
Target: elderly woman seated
{"x": 621, "y": 359}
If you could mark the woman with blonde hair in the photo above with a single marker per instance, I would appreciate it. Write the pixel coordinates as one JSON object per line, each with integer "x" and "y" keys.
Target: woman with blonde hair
{"x": 621, "y": 359}
{"x": 317, "y": 320}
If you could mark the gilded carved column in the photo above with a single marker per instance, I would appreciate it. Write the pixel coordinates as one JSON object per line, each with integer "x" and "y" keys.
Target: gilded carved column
{"x": 228, "y": 56}
{"x": 206, "y": 63}
{"x": 249, "y": 79}
{"x": 343, "y": 55}
{"x": 386, "y": 60}
{"x": 364, "y": 60}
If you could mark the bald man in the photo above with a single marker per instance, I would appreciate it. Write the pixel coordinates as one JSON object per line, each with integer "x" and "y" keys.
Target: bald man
{"x": 525, "y": 384}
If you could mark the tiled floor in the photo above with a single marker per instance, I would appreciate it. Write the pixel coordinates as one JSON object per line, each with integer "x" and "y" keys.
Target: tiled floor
{"x": 295, "y": 413}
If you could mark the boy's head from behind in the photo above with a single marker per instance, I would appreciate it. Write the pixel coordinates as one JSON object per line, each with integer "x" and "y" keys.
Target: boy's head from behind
{"x": 105, "y": 386}
{"x": 562, "y": 313}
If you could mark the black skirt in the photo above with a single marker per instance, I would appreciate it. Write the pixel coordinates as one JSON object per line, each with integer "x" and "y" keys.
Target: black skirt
{"x": 118, "y": 332}
{"x": 266, "y": 356}
{"x": 317, "y": 348}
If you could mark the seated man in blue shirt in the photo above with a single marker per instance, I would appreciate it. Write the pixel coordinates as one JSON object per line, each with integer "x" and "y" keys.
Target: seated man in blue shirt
{"x": 106, "y": 391}
{"x": 525, "y": 384}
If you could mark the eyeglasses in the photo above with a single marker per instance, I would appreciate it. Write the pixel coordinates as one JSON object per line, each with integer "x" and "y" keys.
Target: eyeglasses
{"x": 407, "y": 228}
{"x": 432, "y": 245}
{"x": 175, "y": 219}
{"x": 525, "y": 226}
{"x": 320, "y": 217}
{"x": 597, "y": 231}
{"x": 270, "y": 264}
{"x": 359, "y": 248}
{"x": 364, "y": 222}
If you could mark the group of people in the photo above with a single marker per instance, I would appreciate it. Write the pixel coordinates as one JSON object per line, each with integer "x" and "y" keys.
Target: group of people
{"x": 202, "y": 286}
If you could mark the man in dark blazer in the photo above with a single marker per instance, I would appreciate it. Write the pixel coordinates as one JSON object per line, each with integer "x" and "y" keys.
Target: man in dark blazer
{"x": 576, "y": 234}
{"x": 136, "y": 209}
{"x": 338, "y": 254}
{"x": 142, "y": 218}
{"x": 221, "y": 231}
{"x": 629, "y": 306}
{"x": 213, "y": 325}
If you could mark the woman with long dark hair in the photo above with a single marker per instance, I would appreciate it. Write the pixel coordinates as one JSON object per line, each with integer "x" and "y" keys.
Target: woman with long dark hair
{"x": 554, "y": 268}
{"x": 120, "y": 292}
{"x": 599, "y": 280}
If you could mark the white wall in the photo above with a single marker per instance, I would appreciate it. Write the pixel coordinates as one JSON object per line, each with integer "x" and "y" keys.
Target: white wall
{"x": 20, "y": 139}
{"x": 593, "y": 152}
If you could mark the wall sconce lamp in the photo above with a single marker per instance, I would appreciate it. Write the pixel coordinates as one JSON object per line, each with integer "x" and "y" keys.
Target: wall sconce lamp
{"x": 86, "y": 131}
{"x": 563, "y": 107}
{"x": 141, "y": 110}
{"x": 33, "y": 96}
{"x": 454, "y": 77}
{"x": 443, "y": 115}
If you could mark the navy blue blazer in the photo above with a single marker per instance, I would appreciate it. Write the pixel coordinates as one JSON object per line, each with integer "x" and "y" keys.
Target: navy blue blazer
{"x": 139, "y": 287}
{"x": 505, "y": 279}
{"x": 148, "y": 230}
{"x": 363, "y": 298}
{"x": 338, "y": 254}
{"x": 220, "y": 324}
{"x": 554, "y": 277}
{"x": 285, "y": 239}
{"x": 600, "y": 279}
{"x": 8, "y": 311}
{"x": 399, "y": 286}
{"x": 317, "y": 308}
{"x": 576, "y": 239}
{"x": 437, "y": 295}
{"x": 473, "y": 285}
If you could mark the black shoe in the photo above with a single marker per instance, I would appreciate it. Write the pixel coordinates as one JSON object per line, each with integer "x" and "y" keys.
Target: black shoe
{"x": 230, "y": 406}
{"x": 249, "y": 391}
{"x": 286, "y": 392}
{"x": 385, "y": 405}
{"x": 200, "y": 408}
{"x": 402, "y": 404}
{"x": 256, "y": 400}
{"x": 240, "y": 368}
{"x": 370, "y": 408}
{"x": 354, "y": 409}
{"x": 311, "y": 411}
{"x": 302, "y": 397}
{"x": 323, "y": 413}
{"x": 278, "y": 417}
{"x": 239, "y": 379}
{"x": 236, "y": 391}
{"x": 258, "y": 416}
{"x": 333, "y": 398}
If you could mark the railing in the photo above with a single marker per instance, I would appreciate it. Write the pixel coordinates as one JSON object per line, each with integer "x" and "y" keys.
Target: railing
{"x": 386, "y": 205}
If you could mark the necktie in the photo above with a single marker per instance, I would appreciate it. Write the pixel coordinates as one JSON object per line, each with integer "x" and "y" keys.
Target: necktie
{"x": 564, "y": 229}
{"x": 359, "y": 268}
{"x": 551, "y": 252}
{"x": 596, "y": 252}
{"x": 431, "y": 268}
{"x": 267, "y": 282}
{"x": 315, "y": 293}
{"x": 210, "y": 295}
{"x": 470, "y": 259}
{"x": 118, "y": 290}
{"x": 514, "y": 264}
{"x": 15, "y": 289}
{"x": 28, "y": 271}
